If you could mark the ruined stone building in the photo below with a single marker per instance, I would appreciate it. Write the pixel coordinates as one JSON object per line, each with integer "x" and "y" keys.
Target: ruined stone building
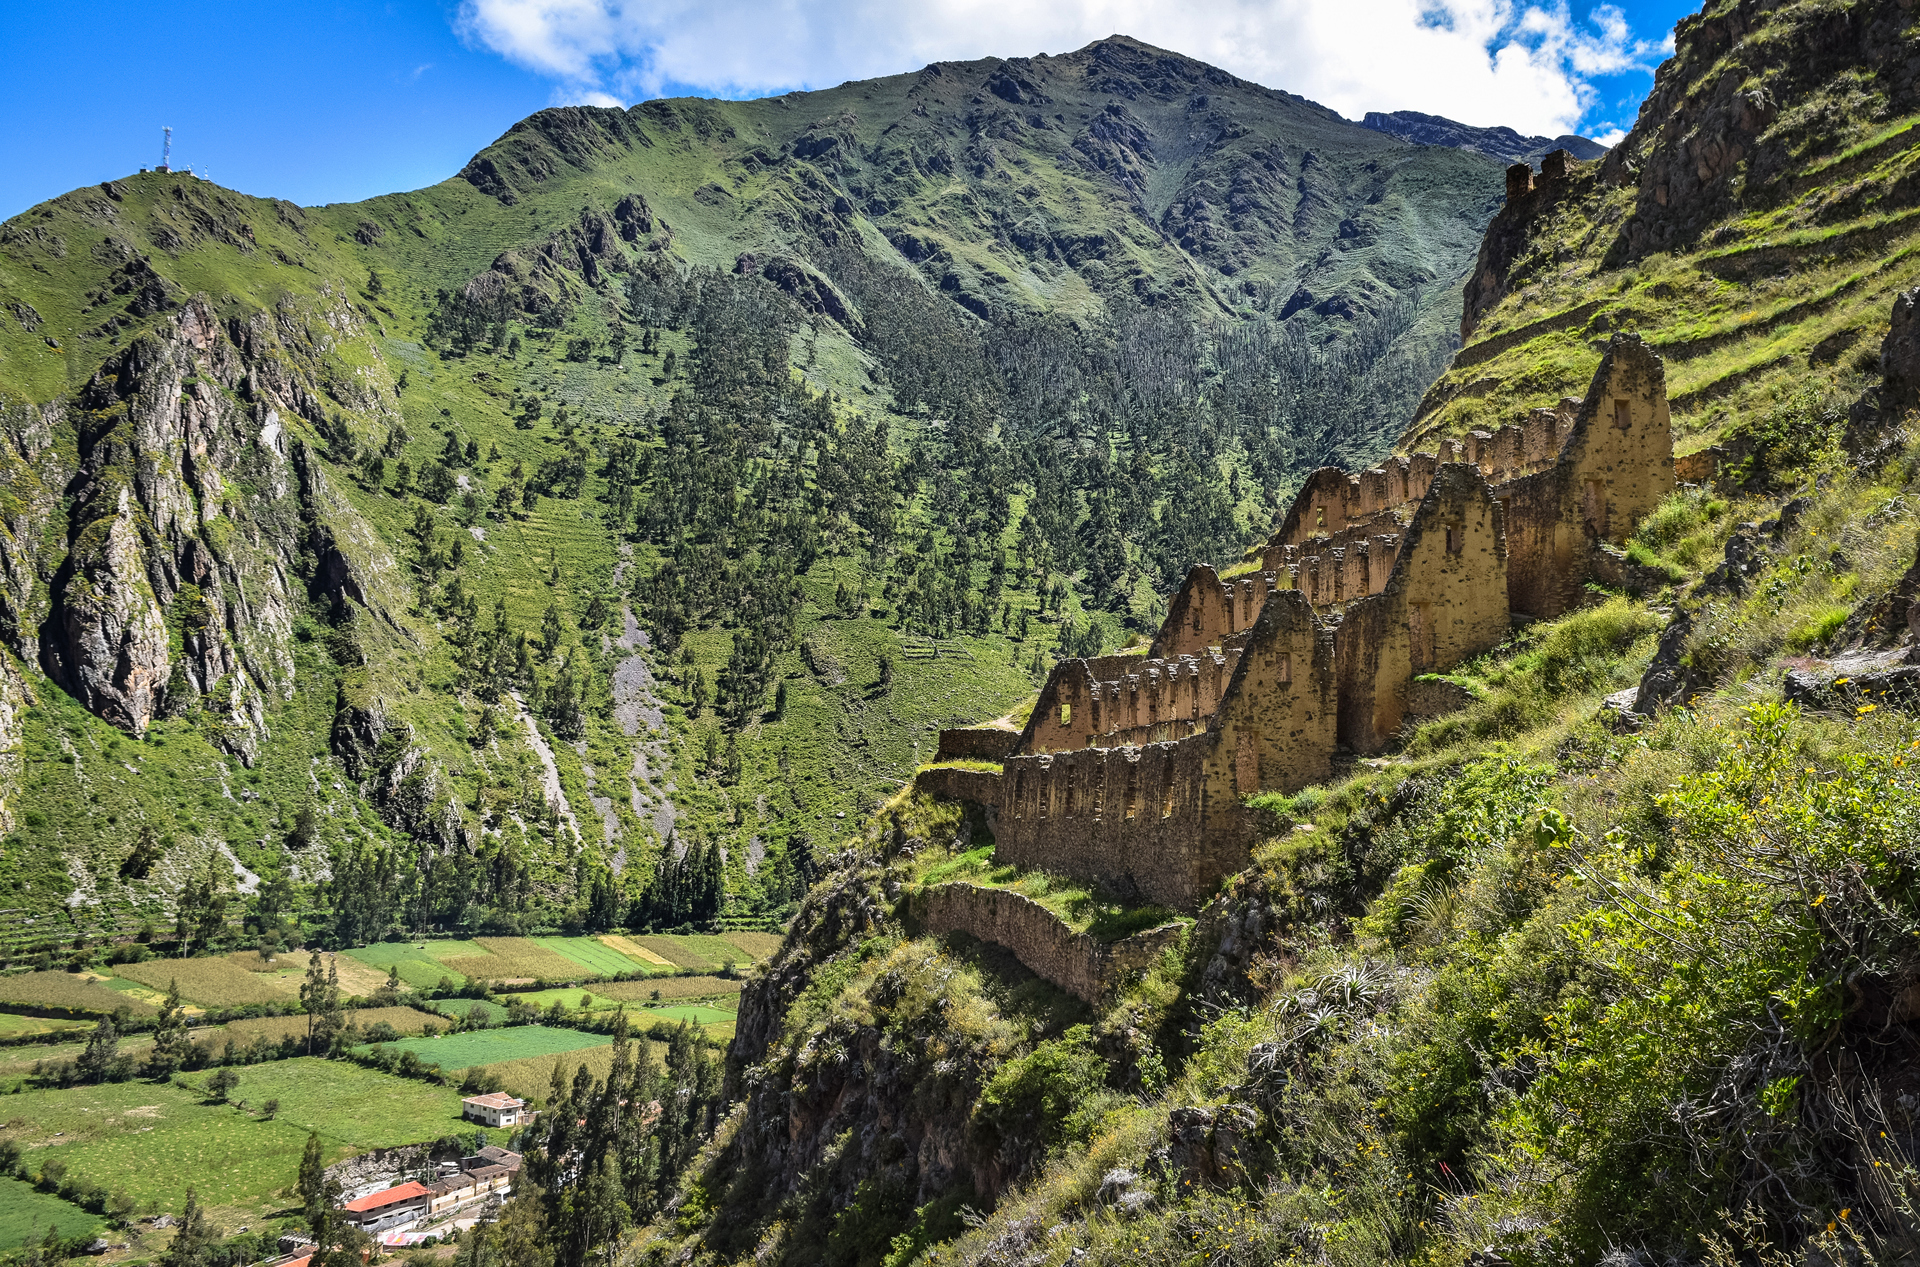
{"x": 1133, "y": 771}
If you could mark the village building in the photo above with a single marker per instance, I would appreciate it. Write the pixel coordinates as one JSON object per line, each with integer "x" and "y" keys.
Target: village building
{"x": 1133, "y": 771}
{"x": 477, "y": 1177}
{"x": 496, "y": 1108}
{"x": 393, "y": 1207}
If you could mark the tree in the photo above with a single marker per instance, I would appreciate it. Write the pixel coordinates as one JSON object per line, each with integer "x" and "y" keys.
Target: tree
{"x": 605, "y": 1214}
{"x": 221, "y": 1082}
{"x": 202, "y": 912}
{"x": 193, "y": 1244}
{"x": 169, "y": 1037}
{"x": 320, "y": 994}
{"x": 311, "y": 1182}
{"x": 103, "y": 1045}
{"x": 270, "y": 1110}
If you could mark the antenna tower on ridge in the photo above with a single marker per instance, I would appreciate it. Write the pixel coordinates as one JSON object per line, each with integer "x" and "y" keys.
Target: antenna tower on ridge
{"x": 166, "y": 151}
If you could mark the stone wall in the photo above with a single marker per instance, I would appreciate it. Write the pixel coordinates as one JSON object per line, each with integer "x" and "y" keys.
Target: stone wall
{"x": 1446, "y": 602}
{"x": 952, "y": 783}
{"x": 1615, "y": 466}
{"x": 1166, "y": 819}
{"x": 976, "y": 743}
{"x": 1076, "y": 962}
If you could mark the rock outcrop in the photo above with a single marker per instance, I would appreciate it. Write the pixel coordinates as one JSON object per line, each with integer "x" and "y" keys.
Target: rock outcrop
{"x": 1731, "y": 117}
{"x": 186, "y": 539}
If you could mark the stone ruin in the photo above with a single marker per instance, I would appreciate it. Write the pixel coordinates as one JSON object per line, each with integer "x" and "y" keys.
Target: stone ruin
{"x": 1133, "y": 771}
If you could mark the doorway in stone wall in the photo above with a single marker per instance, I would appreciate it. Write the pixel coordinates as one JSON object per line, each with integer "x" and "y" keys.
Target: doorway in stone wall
{"x": 1246, "y": 764}
{"x": 1420, "y": 636}
{"x": 1593, "y": 507}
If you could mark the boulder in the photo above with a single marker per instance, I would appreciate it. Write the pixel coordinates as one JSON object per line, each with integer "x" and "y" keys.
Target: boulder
{"x": 1205, "y": 1144}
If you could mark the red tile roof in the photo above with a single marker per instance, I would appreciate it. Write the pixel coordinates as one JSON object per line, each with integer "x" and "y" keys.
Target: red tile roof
{"x": 391, "y": 1196}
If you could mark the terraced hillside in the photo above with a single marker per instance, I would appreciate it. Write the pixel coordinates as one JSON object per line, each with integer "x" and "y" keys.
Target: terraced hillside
{"x": 1755, "y": 225}
{"x": 667, "y": 475}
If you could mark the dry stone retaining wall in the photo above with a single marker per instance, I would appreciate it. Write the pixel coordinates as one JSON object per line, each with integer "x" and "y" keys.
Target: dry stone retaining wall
{"x": 1079, "y": 964}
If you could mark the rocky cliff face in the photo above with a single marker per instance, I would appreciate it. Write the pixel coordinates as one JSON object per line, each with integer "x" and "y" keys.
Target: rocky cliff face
{"x": 174, "y": 581}
{"x": 1754, "y": 90}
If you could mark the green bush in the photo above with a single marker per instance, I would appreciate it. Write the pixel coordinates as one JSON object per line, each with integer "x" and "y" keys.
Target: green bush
{"x": 1048, "y": 1099}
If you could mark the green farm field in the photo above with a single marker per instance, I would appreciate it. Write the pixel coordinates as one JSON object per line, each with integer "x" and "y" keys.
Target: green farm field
{"x": 418, "y": 968}
{"x": 692, "y": 1012}
{"x": 531, "y": 1077}
{"x": 154, "y": 1140}
{"x": 26, "y": 1213}
{"x": 591, "y": 954}
{"x": 488, "y": 1012}
{"x": 14, "y": 1025}
{"x": 491, "y": 1046}
{"x": 652, "y": 991}
{"x": 514, "y": 959}
{"x": 759, "y": 945}
{"x": 636, "y": 1001}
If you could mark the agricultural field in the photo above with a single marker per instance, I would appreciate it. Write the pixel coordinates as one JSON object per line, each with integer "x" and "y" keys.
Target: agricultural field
{"x": 488, "y": 1012}
{"x": 662, "y": 988}
{"x": 492, "y": 1046}
{"x": 593, "y": 954}
{"x": 211, "y": 982}
{"x": 515, "y": 959}
{"x": 14, "y": 1025}
{"x": 635, "y": 996}
{"x": 703, "y": 952}
{"x": 675, "y": 952}
{"x": 759, "y": 945}
{"x": 65, "y": 989}
{"x": 154, "y": 1140}
{"x": 26, "y": 1213}
{"x": 634, "y": 950}
{"x": 531, "y": 1077}
{"x": 695, "y": 1013}
{"x": 405, "y": 1020}
{"x": 418, "y": 968}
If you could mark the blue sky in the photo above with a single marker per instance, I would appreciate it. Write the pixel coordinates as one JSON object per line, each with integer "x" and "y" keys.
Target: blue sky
{"x": 335, "y": 102}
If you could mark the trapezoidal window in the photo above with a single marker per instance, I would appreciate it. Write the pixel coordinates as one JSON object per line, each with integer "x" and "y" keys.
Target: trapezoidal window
{"x": 1066, "y": 714}
{"x": 1283, "y": 667}
{"x": 1622, "y": 415}
{"x": 1020, "y": 794}
{"x": 1456, "y": 538}
{"x": 1196, "y": 617}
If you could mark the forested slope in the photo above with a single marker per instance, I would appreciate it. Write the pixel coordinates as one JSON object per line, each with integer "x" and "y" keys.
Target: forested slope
{"x": 667, "y": 474}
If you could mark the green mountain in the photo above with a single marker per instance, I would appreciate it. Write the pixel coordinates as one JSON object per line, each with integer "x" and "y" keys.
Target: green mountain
{"x": 668, "y": 474}
{"x": 1611, "y": 964}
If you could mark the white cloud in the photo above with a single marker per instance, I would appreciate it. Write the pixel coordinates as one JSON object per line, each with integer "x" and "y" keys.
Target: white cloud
{"x": 1481, "y": 62}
